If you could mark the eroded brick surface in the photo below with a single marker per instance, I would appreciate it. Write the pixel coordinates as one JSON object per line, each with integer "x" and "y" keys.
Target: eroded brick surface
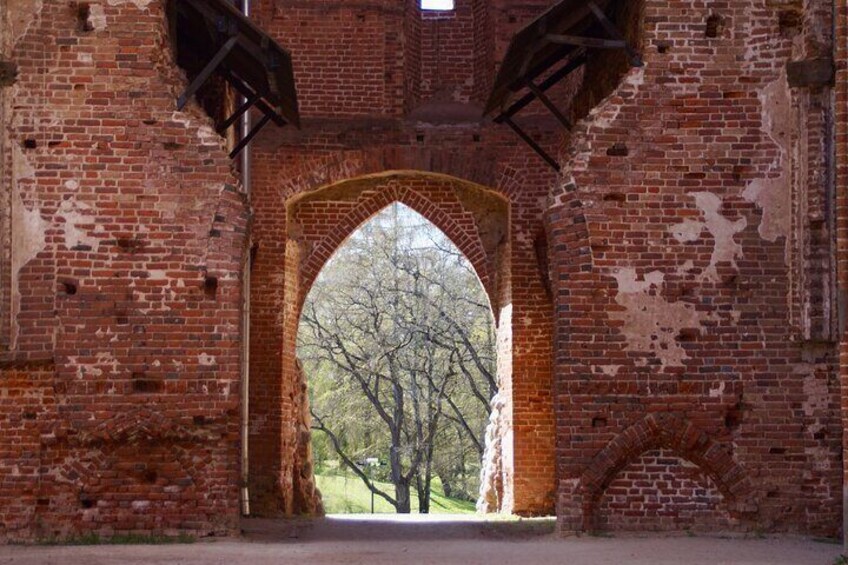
{"x": 690, "y": 278}
{"x": 121, "y": 207}
{"x": 668, "y": 327}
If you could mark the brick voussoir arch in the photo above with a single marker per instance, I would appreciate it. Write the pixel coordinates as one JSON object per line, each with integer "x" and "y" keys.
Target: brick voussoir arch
{"x": 673, "y": 432}
{"x": 468, "y": 243}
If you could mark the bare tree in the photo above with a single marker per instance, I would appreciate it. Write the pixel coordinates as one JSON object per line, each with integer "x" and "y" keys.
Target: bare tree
{"x": 397, "y": 341}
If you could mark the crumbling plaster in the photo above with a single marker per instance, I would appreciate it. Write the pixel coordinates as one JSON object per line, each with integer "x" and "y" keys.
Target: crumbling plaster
{"x": 773, "y": 193}
{"x": 650, "y": 323}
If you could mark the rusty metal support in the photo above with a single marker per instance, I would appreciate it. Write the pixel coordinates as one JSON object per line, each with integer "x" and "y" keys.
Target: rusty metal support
{"x": 537, "y": 92}
{"x": 249, "y": 137}
{"x": 533, "y": 145}
{"x": 615, "y": 33}
{"x": 207, "y": 71}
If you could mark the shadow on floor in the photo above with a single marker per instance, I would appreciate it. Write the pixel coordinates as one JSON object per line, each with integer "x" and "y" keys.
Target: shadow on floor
{"x": 365, "y": 527}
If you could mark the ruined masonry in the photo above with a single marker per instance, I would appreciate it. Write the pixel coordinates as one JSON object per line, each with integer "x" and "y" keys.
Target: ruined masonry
{"x": 669, "y": 289}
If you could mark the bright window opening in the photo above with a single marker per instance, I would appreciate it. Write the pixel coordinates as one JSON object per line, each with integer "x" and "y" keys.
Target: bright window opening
{"x": 437, "y": 5}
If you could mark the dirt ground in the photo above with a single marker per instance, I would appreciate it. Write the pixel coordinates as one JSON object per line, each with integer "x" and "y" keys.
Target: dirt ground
{"x": 447, "y": 540}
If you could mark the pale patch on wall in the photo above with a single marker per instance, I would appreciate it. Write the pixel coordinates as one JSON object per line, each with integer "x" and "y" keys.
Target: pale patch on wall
{"x": 725, "y": 248}
{"x": 97, "y": 17}
{"x": 22, "y": 14}
{"x": 206, "y": 360}
{"x": 28, "y": 229}
{"x": 717, "y": 391}
{"x": 77, "y": 215}
{"x": 651, "y": 323}
{"x": 140, "y": 4}
{"x": 816, "y": 393}
{"x": 773, "y": 193}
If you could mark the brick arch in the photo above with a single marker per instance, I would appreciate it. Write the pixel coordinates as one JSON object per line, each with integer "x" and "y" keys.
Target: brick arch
{"x": 470, "y": 164}
{"x": 675, "y": 433}
{"x": 316, "y": 223}
{"x": 467, "y": 241}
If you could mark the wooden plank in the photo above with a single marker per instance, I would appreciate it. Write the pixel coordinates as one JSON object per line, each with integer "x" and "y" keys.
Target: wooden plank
{"x": 594, "y": 42}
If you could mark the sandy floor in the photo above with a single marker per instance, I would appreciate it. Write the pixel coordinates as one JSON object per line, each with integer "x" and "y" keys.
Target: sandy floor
{"x": 412, "y": 541}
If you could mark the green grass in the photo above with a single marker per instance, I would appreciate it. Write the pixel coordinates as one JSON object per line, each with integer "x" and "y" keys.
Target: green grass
{"x": 347, "y": 494}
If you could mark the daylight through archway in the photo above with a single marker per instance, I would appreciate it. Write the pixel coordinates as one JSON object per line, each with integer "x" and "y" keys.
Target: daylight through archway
{"x": 397, "y": 343}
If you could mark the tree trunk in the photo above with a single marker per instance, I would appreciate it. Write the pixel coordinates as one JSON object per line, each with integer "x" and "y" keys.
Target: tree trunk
{"x": 423, "y": 495}
{"x": 447, "y": 486}
{"x": 402, "y": 497}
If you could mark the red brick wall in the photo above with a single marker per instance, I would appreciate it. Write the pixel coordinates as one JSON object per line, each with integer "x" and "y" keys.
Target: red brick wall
{"x": 349, "y": 57}
{"x": 281, "y": 174}
{"x": 124, "y": 209}
{"x": 660, "y": 491}
{"x": 447, "y": 52}
{"x": 673, "y": 270}
{"x": 840, "y": 97}
{"x": 689, "y": 310}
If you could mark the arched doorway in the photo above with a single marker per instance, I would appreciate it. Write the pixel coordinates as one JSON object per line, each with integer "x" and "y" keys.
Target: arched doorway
{"x": 314, "y": 224}
{"x": 397, "y": 343}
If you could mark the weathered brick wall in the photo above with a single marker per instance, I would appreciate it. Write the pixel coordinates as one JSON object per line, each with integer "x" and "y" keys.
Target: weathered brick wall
{"x": 290, "y": 166}
{"x": 687, "y": 276}
{"x": 691, "y": 296}
{"x": 349, "y": 57}
{"x": 128, "y": 231}
{"x": 840, "y": 153}
{"x": 661, "y": 491}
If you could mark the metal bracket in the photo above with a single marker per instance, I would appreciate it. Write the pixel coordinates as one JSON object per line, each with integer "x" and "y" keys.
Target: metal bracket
{"x": 247, "y": 92}
{"x": 537, "y": 92}
{"x": 250, "y": 101}
{"x": 612, "y": 31}
{"x": 593, "y": 42}
{"x": 207, "y": 71}
{"x": 572, "y": 65}
{"x": 249, "y": 137}
{"x": 533, "y": 145}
